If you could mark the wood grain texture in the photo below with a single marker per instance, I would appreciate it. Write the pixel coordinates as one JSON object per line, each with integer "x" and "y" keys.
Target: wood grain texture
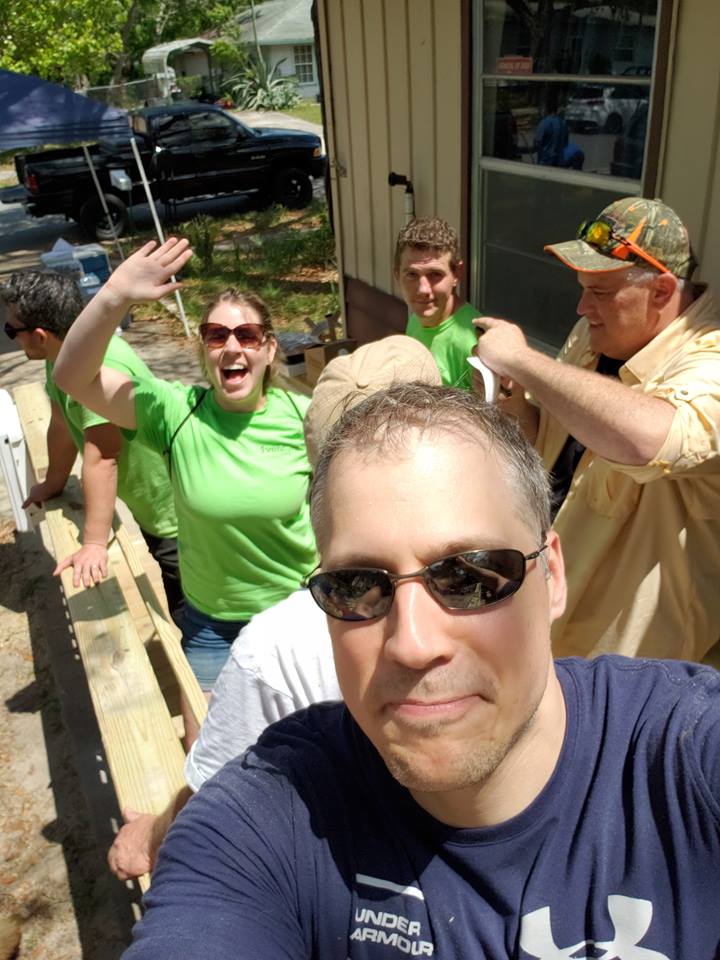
{"x": 167, "y": 632}
{"x": 33, "y": 406}
{"x": 144, "y": 755}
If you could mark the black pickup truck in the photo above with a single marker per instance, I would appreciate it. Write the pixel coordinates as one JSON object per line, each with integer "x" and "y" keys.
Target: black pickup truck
{"x": 189, "y": 151}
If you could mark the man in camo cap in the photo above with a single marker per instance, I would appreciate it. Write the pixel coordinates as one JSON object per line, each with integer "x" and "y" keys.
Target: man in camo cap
{"x": 626, "y": 419}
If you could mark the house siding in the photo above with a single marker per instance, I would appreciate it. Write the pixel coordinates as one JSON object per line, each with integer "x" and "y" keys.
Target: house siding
{"x": 393, "y": 76}
{"x": 689, "y": 175}
{"x": 398, "y": 96}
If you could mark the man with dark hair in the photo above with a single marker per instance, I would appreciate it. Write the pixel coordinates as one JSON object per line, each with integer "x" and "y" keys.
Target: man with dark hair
{"x": 627, "y": 421}
{"x": 428, "y": 269}
{"x": 40, "y": 308}
{"x": 470, "y": 797}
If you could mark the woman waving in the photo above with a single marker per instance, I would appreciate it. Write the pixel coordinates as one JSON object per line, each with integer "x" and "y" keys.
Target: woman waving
{"x": 235, "y": 450}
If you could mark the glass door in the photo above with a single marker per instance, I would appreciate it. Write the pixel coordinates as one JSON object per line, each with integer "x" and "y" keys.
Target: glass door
{"x": 563, "y": 101}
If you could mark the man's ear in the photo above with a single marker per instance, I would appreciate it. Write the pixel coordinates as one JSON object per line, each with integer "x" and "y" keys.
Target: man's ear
{"x": 664, "y": 287}
{"x": 557, "y": 586}
{"x": 459, "y": 271}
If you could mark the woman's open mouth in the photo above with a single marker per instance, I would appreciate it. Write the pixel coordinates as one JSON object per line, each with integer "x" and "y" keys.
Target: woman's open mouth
{"x": 234, "y": 374}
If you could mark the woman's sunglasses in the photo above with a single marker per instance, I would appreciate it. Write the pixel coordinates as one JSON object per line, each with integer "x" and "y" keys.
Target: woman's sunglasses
{"x": 604, "y": 235}
{"x": 250, "y": 336}
{"x": 464, "y": 581}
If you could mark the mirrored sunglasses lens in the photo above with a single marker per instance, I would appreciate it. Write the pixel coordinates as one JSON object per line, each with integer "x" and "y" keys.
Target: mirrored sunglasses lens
{"x": 476, "y": 579}
{"x": 10, "y": 331}
{"x": 355, "y": 594}
{"x": 596, "y": 233}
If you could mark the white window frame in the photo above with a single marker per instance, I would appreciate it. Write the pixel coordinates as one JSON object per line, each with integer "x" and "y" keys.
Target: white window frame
{"x": 304, "y": 62}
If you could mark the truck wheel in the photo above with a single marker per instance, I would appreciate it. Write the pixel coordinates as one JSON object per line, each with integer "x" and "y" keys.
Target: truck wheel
{"x": 292, "y": 188}
{"x": 93, "y": 219}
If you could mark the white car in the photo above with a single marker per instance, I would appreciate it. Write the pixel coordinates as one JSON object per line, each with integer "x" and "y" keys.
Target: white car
{"x": 600, "y": 109}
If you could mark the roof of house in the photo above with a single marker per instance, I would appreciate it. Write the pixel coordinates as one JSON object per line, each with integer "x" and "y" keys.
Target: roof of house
{"x": 279, "y": 22}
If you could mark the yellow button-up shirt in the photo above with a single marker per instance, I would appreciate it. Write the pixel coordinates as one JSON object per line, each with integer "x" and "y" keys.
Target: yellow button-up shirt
{"x": 642, "y": 544}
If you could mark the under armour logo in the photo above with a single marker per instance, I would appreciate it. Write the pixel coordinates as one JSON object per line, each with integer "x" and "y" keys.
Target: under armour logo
{"x": 631, "y": 919}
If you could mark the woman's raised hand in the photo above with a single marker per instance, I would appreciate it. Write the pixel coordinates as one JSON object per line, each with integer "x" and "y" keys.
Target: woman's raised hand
{"x": 146, "y": 274}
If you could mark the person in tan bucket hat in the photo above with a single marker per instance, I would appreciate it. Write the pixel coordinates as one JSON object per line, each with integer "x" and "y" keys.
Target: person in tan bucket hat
{"x": 626, "y": 421}
{"x": 348, "y": 379}
{"x": 282, "y": 660}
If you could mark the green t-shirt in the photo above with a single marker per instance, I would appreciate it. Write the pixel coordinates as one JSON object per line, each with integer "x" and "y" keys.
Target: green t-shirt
{"x": 240, "y": 482}
{"x": 451, "y": 343}
{"x": 143, "y": 481}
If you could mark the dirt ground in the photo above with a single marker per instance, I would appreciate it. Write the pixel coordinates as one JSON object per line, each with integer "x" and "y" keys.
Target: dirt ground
{"x": 53, "y": 878}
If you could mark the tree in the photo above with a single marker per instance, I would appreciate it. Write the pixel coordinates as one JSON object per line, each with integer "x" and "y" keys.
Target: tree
{"x": 82, "y": 42}
{"x": 163, "y": 20}
{"x": 72, "y": 42}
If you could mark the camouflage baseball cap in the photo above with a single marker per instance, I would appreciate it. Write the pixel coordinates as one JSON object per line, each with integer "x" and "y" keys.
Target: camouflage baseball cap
{"x": 650, "y": 224}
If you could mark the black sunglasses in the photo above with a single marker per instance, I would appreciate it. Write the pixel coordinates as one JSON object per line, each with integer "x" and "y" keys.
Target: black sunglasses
{"x": 464, "y": 581}
{"x": 12, "y": 332}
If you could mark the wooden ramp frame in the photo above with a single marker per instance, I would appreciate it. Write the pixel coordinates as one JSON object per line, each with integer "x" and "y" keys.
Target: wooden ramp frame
{"x": 112, "y": 623}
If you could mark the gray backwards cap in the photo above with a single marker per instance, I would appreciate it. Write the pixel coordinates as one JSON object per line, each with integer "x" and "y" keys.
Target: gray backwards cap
{"x": 651, "y": 224}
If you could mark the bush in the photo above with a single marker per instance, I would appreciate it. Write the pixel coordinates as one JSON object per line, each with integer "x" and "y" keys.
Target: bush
{"x": 190, "y": 87}
{"x": 202, "y": 232}
{"x": 257, "y": 88}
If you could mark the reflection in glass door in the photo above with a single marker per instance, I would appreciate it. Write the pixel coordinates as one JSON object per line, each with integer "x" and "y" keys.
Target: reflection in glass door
{"x": 562, "y": 100}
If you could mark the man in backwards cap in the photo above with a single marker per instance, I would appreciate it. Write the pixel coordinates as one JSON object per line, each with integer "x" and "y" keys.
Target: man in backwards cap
{"x": 626, "y": 421}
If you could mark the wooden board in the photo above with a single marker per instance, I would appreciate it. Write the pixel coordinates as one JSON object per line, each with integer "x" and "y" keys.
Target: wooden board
{"x": 33, "y": 406}
{"x": 167, "y": 633}
{"x": 144, "y": 755}
{"x": 111, "y": 622}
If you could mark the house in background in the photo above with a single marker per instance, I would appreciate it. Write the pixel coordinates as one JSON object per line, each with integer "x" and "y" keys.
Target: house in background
{"x": 450, "y": 93}
{"x": 285, "y": 33}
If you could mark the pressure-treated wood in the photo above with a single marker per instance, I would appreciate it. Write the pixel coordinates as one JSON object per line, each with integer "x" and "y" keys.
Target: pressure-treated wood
{"x": 110, "y": 622}
{"x": 143, "y": 752}
{"x": 33, "y": 406}
{"x": 168, "y": 634}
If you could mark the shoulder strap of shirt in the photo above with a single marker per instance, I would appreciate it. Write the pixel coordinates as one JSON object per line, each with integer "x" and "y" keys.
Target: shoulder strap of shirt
{"x": 301, "y": 415}
{"x": 168, "y": 453}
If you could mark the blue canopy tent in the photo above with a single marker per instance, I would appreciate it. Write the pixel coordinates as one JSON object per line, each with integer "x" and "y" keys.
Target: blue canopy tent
{"x": 36, "y": 113}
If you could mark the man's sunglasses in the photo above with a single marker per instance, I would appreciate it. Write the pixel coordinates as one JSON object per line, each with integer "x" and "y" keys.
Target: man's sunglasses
{"x": 250, "y": 336}
{"x": 604, "y": 234}
{"x": 12, "y": 332}
{"x": 464, "y": 581}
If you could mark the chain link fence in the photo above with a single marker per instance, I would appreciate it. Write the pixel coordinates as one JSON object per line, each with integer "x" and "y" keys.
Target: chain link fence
{"x": 134, "y": 93}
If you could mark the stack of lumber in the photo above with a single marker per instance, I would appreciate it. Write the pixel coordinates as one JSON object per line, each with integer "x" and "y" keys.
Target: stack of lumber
{"x": 129, "y": 647}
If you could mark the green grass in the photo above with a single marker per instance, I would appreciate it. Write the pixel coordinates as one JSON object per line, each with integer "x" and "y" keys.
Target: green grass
{"x": 286, "y": 257}
{"x": 306, "y": 110}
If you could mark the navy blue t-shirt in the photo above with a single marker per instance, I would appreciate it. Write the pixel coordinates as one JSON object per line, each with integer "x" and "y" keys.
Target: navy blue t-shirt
{"x": 307, "y": 848}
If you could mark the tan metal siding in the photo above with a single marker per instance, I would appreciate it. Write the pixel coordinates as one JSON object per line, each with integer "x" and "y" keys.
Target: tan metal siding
{"x": 690, "y": 166}
{"x": 394, "y": 75}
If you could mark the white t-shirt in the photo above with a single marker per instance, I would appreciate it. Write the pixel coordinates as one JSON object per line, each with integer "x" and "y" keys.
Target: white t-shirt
{"x": 280, "y": 662}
